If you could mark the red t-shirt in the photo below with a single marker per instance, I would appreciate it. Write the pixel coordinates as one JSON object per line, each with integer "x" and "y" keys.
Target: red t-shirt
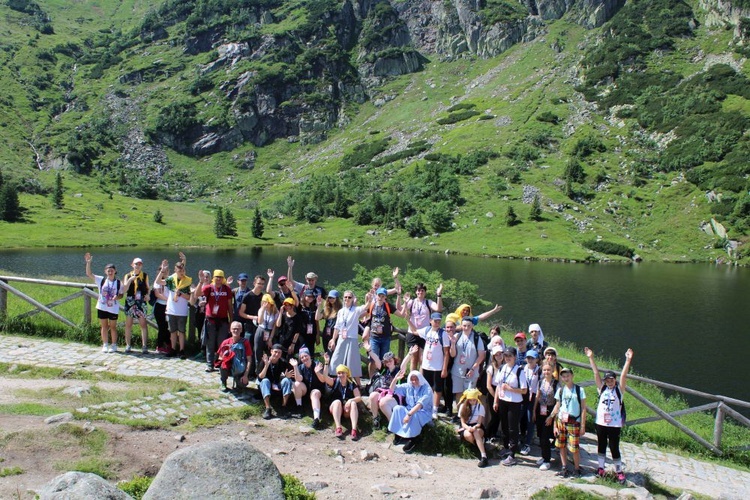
{"x": 227, "y": 346}
{"x": 218, "y": 301}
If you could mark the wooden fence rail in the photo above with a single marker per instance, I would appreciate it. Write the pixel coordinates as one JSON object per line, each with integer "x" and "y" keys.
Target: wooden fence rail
{"x": 720, "y": 404}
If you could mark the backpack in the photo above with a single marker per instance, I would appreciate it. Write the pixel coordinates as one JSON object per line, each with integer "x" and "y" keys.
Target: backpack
{"x": 482, "y": 380}
{"x": 239, "y": 361}
{"x": 152, "y": 298}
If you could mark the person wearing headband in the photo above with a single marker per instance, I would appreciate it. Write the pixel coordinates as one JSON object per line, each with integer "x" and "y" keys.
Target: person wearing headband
{"x": 471, "y": 412}
{"x": 346, "y": 397}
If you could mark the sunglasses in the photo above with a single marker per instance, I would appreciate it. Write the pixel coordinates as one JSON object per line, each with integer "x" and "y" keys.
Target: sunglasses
{"x": 348, "y": 297}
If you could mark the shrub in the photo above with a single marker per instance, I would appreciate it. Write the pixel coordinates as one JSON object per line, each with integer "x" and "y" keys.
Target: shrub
{"x": 587, "y": 145}
{"x": 415, "y": 227}
{"x": 136, "y": 487}
{"x": 458, "y": 116}
{"x": 158, "y": 217}
{"x": 440, "y": 217}
{"x": 363, "y": 153}
{"x": 177, "y": 118}
{"x": 511, "y": 219}
{"x": 609, "y": 248}
{"x": 294, "y": 489}
{"x": 461, "y": 106}
{"x": 548, "y": 117}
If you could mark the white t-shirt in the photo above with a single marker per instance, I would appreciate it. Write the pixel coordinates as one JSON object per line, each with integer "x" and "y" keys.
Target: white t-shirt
{"x": 162, "y": 290}
{"x": 108, "y": 293}
{"x": 476, "y": 412}
{"x": 347, "y": 321}
{"x": 179, "y": 308}
{"x": 532, "y": 377}
{"x": 609, "y": 410}
{"x": 509, "y": 375}
{"x": 432, "y": 355}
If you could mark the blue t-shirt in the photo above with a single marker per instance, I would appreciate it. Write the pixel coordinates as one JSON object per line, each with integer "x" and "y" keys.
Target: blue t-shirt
{"x": 569, "y": 401}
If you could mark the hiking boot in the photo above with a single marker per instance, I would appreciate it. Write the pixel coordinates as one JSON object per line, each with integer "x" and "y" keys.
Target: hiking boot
{"x": 621, "y": 477}
{"x": 339, "y": 433}
{"x": 105, "y": 348}
{"x": 113, "y": 348}
{"x": 376, "y": 422}
{"x": 483, "y": 462}
{"x": 267, "y": 414}
{"x": 525, "y": 450}
{"x": 355, "y": 435}
{"x": 545, "y": 466}
{"x": 509, "y": 460}
{"x": 297, "y": 412}
{"x": 128, "y": 349}
{"x": 316, "y": 424}
{"x": 409, "y": 447}
{"x": 600, "y": 472}
{"x": 564, "y": 473}
{"x": 210, "y": 369}
{"x": 224, "y": 388}
{"x": 578, "y": 474}
{"x": 144, "y": 350}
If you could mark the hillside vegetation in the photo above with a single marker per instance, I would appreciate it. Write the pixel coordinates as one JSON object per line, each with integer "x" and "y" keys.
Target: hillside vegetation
{"x": 578, "y": 134}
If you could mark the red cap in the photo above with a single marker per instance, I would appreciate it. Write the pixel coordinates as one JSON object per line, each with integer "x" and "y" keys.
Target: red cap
{"x": 520, "y": 335}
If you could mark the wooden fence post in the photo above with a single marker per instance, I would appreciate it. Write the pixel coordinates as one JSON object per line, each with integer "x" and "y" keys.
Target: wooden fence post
{"x": 86, "y": 310}
{"x": 719, "y": 424}
{"x": 3, "y": 302}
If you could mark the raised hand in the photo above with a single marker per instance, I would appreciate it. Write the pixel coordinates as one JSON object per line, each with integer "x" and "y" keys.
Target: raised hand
{"x": 327, "y": 357}
{"x": 318, "y": 368}
{"x": 292, "y": 362}
{"x": 265, "y": 358}
{"x": 589, "y": 353}
{"x": 439, "y": 290}
{"x": 181, "y": 256}
{"x": 407, "y": 297}
{"x": 395, "y": 272}
{"x": 230, "y": 280}
{"x": 414, "y": 350}
{"x": 290, "y": 261}
{"x": 270, "y": 273}
{"x": 88, "y": 258}
{"x": 629, "y": 354}
{"x": 401, "y": 373}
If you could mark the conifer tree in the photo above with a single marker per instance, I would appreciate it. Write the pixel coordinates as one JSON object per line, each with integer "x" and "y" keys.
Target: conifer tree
{"x": 258, "y": 226}
{"x": 57, "y": 194}
{"x": 219, "y": 227}
{"x": 536, "y": 209}
{"x": 10, "y": 207}
{"x": 511, "y": 219}
{"x": 230, "y": 223}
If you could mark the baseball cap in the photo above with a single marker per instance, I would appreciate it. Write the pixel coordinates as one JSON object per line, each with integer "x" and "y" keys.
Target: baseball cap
{"x": 550, "y": 350}
{"x": 137, "y": 260}
{"x": 289, "y": 300}
{"x": 496, "y": 349}
{"x": 242, "y": 276}
{"x": 609, "y": 374}
{"x": 311, "y": 276}
{"x": 566, "y": 370}
{"x": 333, "y": 294}
{"x": 387, "y": 356}
{"x": 281, "y": 278}
{"x": 511, "y": 351}
{"x": 532, "y": 354}
{"x": 277, "y": 347}
{"x": 436, "y": 316}
{"x": 520, "y": 335}
{"x": 381, "y": 291}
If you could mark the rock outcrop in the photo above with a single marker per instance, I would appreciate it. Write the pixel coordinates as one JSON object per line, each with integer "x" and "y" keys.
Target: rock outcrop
{"x": 80, "y": 486}
{"x": 223, "y": 469}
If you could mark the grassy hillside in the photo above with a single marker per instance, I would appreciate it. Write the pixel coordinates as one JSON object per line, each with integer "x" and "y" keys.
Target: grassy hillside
{"x": 433, "y": 161}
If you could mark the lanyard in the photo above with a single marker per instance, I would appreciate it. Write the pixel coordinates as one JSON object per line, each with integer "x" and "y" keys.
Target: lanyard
{"x": 348, "y": 317}
{"x": 343, "y": 392}
{"x": 474, "y": 410}
{"x": 111, "y": 288}
{"x": 545, "y": 394}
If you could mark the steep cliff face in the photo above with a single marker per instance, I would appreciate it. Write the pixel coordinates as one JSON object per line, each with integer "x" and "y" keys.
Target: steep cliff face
{"x": 721, "y": 13}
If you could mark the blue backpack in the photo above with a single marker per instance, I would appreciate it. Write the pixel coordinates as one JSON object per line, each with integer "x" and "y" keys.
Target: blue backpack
{"x": 239, "y": 361}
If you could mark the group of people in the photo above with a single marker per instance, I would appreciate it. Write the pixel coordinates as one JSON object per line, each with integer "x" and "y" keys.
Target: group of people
{"x": 503, "y": 394}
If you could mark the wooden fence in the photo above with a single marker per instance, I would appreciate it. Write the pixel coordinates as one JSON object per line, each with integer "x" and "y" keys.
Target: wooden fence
{"x": 719, "y": 403}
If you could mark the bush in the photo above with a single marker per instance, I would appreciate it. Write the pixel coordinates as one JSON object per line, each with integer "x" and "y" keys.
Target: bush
{"x": 548, "y": 117}
{"x": 609, "y": 248}
{"x": 363, "y": 153}
{"x": 415, "y": 227}
{"x": 587, "y": 145}
{"x": 294, "y": 489}
{"x": 440, "y": 217}
{"x": 461, "y": 106}
{"x": 458, "y": 116}
{"x": 158, "y": 217}
{"x": 177, "y": 118}
{"x": 136, "y": 487}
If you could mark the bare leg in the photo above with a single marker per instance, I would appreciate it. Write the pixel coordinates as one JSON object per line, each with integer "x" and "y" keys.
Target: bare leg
{"x": 113, "y": 330}
{"x": 336, "y": 411}
{"x": 353, "y": 413}
{"x": 315, "y": 401}
{"x": 374, "y": 403}
{"x": 387, "y": 404}
{"x": 479, "y": 435}
{"x": 128, "y": 329}
{"x": 577, "y": 460}
{"x": 104, "y": 326}
{"x": 144, "y": 331}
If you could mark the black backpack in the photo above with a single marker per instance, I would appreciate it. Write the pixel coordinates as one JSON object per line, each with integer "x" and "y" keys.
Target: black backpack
{"x": 482, "y": 380}
{"x": 622, "y": 402}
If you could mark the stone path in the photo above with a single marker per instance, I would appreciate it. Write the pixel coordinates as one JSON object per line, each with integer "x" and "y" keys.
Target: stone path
{"x": 678, "y": 472}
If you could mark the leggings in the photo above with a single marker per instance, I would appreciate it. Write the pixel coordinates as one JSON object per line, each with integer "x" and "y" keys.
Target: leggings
{"x": 510, "y": 416}
{"x": 604, "y": 433}
{"x": 545, "y": 432}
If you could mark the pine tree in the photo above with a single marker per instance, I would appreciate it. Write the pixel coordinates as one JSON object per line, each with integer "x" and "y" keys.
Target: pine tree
{"x": 57, "y": 193}
{"x": 536, "y": 209}
{"x": 230, "y": 223}
{"x": 219, "y": 227}
{"x": 158, "y": 217}
{"x": 10, "y": 207}
{"x": 511, "y": 219}
{"x": 258, "y": 226}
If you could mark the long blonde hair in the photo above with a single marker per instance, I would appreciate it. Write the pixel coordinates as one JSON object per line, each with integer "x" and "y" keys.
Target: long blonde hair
{"x": 466, "y": 407}
{"x": 330, "y": 310}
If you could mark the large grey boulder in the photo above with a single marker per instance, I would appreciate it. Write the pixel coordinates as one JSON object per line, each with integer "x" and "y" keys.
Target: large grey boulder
{"x": 224, "y": 469}
{"x": 80, "y": 486}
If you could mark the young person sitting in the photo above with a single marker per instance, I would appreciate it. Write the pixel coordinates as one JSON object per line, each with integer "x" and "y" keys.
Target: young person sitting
{"x": 472, "y": 413}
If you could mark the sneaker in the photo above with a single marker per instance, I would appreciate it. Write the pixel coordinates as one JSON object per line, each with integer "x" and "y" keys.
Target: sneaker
{"x": 376, "y": 422}
{"x": 545, "y": 466}
{"x": 182, "y": 355}
{"x": 483, "y": 462}
{"x": 509, "y": 460}
{"x": 504, "y": 452}
{"x": 113, "y": 348}
{"x": 105, "y": 348}
{"x": 316, "y": 423}
{"x": 600, "y": 472}
{"x": 267, "y": 414}
{"x": 409, "y": 447}
{"x": 283, "y": 413}
{"x": 128, "y": 349}
{"x": 621, "y": 477}
{"x": 210, "y": 369}
{"x": 525, "y": 450}
{"x": 564, "y": 473}
{"x": 297, "y": 412}
{"x": 172, "y": 353}
{"x": 162, "y": 350}
{"x": 355, "y": 435}
{"x": 578, "y": 473}
{"x": 339, "y": 432}
{"x": 397, "y": 440}
{"x": 540, "y": 461}
{"x": 144, "y": 350}
{"x": 434, "y": 415}
{"x": 224, "y": 388}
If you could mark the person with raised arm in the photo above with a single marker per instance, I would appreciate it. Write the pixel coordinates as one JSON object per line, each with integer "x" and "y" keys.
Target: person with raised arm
{"x": 136, "y": 296}
{"x": 408, "y": 419}
{"x": 108, "y": 305}
{"x": 163, "y": 342}
{"x": 178, "y": 291}
{"x": 346, "y": 396}
{"x": 380, "y": 395}
{"x": 275, "y": 376}
{"x": 419, "y": 310}
{"x": 311, "y": 282}
{"x": 464, "y": 310}
{"x": 307, "y": 382}
{"x": 544, "y": 404}
{"x": 266, "y": 330}
{"x": 610, "y": 412}
{"x": 328, "y": 311}
{"x": 345, "y": 340}
{"x": 435, "y": 356}
{"x": 249, "y": 311}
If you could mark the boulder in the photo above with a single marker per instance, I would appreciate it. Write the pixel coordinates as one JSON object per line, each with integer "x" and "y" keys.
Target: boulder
{"x": 223, "y": 469}
{"x": 80, "y": 486}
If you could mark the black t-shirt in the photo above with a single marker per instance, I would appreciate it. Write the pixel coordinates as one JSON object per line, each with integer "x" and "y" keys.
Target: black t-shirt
{"x": 380, "y": 319}
{"x": 309, "y": 377}
{"x": 140, "y": 285}
{"x": 252, "y": 303}
{"x": 290, "y": 325}
{"x": 343, "y": 393}
{"x": 277, "y": 371}
{"x": 308, "y": 318}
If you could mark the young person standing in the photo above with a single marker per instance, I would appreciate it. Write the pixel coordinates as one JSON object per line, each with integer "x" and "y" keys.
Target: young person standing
{"x": 570, "y": 423}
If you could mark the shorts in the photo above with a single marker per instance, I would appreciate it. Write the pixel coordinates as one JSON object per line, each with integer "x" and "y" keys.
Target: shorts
{"x": 412, "y": 340}
{"x": 433, "y": 378}
{"x": 569, "y": 434}
{"x": 135, "y": 308}
{"x": 462, "y": 432}
{"x": 177, "y": 323}
{"x": 460, "y": 384}
{"x": 106, "y": 315}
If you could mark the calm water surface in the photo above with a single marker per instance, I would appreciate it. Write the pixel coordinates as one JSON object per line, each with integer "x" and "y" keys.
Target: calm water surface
{"x": 681, "y": 320}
